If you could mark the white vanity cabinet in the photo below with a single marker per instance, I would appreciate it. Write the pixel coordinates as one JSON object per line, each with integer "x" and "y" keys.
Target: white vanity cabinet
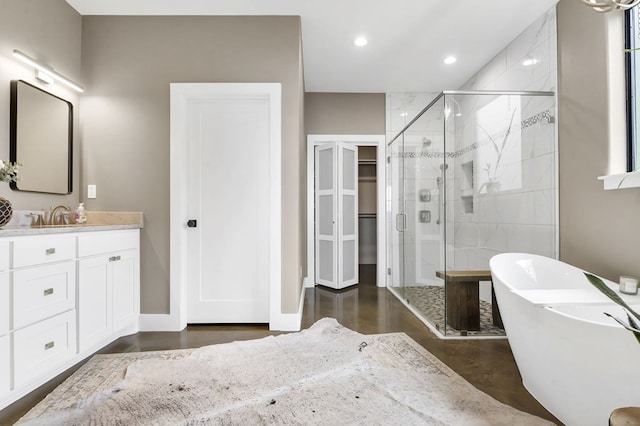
{"x": 5, "y": 348}
{"x": 63, "y": 295}
{"x": 108, "y": 287}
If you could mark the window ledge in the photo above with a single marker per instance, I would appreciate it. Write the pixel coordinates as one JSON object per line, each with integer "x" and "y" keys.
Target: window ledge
{"x": 621, "y": 181}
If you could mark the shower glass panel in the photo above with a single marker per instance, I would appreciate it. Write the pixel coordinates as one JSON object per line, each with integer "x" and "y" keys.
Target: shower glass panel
{"x": 473, "y": 175}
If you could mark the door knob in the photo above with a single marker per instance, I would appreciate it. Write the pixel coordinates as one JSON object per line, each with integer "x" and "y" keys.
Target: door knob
{"x": 192, "y": 223}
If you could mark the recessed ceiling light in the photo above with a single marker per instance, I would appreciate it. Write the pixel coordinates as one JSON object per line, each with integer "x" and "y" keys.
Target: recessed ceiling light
{"x": 450, "y": 60}
{"x": 529, "y": 62}
{"x": 404, "y": 114}
{"x": 360, "y": 41}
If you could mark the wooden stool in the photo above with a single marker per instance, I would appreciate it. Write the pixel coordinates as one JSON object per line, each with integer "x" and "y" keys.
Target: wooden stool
{"x": 625, "y": 416}
{"x": 462, "y": 298}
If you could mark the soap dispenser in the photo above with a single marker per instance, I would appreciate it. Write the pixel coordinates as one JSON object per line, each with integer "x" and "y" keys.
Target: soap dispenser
{"x": 81, "y": 214}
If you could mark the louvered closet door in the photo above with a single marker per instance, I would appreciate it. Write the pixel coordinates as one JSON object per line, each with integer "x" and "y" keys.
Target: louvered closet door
{"x": 336, "y": 215}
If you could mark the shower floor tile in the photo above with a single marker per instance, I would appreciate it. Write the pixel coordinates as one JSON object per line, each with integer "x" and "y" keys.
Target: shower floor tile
{"x": 429, "y": 300}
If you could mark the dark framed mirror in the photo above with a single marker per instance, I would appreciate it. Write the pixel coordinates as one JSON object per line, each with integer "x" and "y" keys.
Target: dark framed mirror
{"x": 41, "y": 138}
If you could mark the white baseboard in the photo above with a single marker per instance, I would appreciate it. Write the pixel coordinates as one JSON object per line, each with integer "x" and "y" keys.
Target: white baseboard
{"x": 289, "y": 322}
{"x": 308, "y": 283}
{"x": 159, "y": 322}
{"x": 278, "y": 321}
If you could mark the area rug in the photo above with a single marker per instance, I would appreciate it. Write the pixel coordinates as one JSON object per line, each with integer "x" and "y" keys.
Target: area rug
{"x": 327, "y": 374}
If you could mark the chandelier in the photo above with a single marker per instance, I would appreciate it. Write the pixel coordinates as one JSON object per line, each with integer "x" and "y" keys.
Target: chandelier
{"x": 609, "y": 5}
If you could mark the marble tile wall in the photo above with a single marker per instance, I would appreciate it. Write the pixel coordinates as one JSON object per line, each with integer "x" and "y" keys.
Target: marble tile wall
{"x": 521, "y": 216}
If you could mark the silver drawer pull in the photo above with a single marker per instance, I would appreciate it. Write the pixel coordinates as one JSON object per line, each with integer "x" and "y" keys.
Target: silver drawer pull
{"x": 50, "y": 251}
{"x": 48, "y": 292}
{"x": 49, "y": 345}
{"x": 114, "y": 258}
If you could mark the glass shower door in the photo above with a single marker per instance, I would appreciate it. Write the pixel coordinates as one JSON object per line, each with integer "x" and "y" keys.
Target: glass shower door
{"x": 423, "y": 156}
{"x": 395, "y": 212}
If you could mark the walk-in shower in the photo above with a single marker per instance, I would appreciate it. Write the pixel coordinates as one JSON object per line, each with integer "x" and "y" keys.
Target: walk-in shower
{"x": 471, "y": 176}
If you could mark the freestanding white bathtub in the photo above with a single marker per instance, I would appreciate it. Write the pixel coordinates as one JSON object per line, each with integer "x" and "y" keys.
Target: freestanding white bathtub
{"x": 577, "y": 362}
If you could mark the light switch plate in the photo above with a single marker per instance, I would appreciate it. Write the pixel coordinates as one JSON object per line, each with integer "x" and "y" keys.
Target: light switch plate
{"x": 91, "y": 191}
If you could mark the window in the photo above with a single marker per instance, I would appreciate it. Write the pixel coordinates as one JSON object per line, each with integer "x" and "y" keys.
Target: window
{"x": 632, "y": 42}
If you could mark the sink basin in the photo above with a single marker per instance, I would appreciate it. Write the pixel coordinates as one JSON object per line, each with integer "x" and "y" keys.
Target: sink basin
{"x": 68, "y": 225}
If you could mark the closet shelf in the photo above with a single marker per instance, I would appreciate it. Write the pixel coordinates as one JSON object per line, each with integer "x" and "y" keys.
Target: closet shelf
{"x": 367, "y": 179}
{"x": 365, "y": 215}
{"x": 366, "y": 161}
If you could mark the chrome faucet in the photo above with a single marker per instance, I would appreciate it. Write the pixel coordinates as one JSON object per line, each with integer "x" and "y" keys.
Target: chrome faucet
{"x": 60, "y": 220}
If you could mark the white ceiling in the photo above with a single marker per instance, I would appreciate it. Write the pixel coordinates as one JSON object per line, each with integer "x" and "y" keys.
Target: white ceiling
{"x": 408, "y": 39}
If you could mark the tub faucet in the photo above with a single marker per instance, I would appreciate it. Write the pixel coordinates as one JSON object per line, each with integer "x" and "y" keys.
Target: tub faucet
{"x": 52, "y": 216}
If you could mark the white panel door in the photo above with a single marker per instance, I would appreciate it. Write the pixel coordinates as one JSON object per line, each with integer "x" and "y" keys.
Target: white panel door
{"x": 228, "y": 197}
{"x": 336, "y": 215}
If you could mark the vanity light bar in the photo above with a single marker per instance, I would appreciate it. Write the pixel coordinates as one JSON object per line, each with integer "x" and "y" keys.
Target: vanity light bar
{"x": 48, "y": 70}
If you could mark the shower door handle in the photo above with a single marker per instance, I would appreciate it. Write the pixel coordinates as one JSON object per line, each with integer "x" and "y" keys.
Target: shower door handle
{"x": 440, "y": 200}
{"x": 401, "y": 222}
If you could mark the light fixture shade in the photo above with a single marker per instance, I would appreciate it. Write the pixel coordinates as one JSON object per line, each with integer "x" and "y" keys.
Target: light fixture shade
{"x": 47, "y": 70}
{"x": 450, "y": 60}
{"x": 610, "y": 5}
{"x": 360, "y": 41}
{"x": 44, "y": 76}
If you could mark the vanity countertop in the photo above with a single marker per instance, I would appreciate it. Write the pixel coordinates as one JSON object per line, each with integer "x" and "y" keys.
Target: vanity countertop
{"x": 96, "y": 221}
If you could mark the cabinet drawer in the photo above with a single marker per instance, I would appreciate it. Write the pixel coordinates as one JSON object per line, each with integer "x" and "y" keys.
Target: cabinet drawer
{"x": 41, "y": 347}
{"x": 4, "y": 303}
{"x": 90, "y": 244}
{"x": 43, "y": 292}
{"x": 5, "y": 365}
{"x": 41, "y": 250}
{"x": 4, "y": 254}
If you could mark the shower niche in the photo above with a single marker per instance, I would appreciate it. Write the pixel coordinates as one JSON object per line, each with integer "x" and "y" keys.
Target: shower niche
{"x": 473, "y": 175}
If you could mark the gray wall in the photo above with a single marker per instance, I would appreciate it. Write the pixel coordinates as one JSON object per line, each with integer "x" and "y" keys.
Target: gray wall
{"x": 49, "y": 31}
{"x": 598, "y": 229}
{"x": 128, "y": 64}
{"x": 344, "y": 114}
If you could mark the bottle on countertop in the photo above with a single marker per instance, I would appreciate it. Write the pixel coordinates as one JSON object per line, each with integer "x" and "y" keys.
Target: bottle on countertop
{"x": 81, "y": 214}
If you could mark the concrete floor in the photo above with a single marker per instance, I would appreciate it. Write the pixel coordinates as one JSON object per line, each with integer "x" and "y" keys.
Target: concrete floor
{"x": 487, "y": 364}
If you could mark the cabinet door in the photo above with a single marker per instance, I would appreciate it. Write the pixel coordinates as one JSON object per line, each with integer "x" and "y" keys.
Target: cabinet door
{"x": 94, "y": 301}
{"x": 126, "y": 293}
